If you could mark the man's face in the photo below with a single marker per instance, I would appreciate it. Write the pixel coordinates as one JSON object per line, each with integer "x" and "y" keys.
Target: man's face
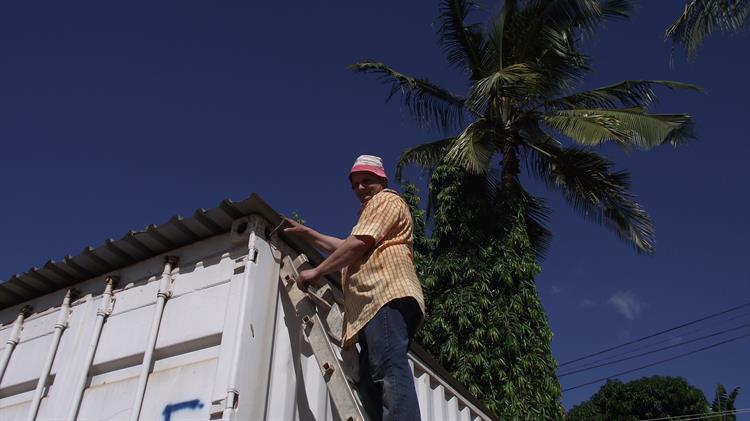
{"x": 366, "y": 185}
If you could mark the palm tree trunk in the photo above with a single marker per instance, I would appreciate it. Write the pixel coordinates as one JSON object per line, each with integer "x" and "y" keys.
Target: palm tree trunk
{"x": 509, "y": 171}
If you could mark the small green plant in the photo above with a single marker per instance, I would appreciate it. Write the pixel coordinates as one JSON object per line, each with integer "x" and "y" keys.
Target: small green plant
{"x": 296, "y": 218}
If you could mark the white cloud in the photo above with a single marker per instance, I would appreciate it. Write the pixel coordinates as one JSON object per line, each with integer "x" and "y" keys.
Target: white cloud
{"x": 586, "y": 303}
{"x": 626, "y": 303}
{"x": 556, "y": 290}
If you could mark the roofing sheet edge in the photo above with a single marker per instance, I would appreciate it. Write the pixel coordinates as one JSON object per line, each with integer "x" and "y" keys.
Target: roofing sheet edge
{"x": 95, "y": 261}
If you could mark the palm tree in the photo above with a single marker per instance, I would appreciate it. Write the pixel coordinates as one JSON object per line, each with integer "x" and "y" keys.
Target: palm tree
{"x": 522, "y": 68}
{"x": 701, "y": 18}
{"x": 724, "y": 401}
{"x": 486, "y": 324}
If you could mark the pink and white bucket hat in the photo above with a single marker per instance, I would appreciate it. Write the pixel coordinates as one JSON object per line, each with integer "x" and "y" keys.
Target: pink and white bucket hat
{"x": 369, "y": 163}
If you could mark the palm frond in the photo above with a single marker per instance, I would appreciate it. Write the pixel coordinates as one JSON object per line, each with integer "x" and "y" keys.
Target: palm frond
{"x": 494, "y": 58}
{"x": 567, "y": 14}
{"x": 474, "y": 147}
{"x": 684, "y": 131}
{"x": 701, "y": 18}
{"x": 628, "y": 93}
{"x": 537, "y": 218}
{"x": 588, "y": 128}
{"x": 589, "y": 185}
{"x": 552, "y": 50}
{"x": 560, "y": 55}
{"x": 462, "y": 43}
{"x": 617, "y": 9}
{"x": 426, "y": 156}
{"x": 548, "y": 33}
{"x": 429, "y": 104}
{"x": 583, "y": 15}
{"x": 732, "y": 396}
{"x": 515, "y": 81}
{"x": 628, "y": 127}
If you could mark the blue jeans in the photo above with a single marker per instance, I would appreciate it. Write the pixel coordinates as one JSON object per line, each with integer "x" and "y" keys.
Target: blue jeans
{"x": 386, "y": 383}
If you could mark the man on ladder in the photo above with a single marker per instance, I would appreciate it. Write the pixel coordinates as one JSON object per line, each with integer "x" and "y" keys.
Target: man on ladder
{"x": 383, "y": 299}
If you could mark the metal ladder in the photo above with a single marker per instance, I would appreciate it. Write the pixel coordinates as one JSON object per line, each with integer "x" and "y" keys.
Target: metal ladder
{"x": 319, "y": 312}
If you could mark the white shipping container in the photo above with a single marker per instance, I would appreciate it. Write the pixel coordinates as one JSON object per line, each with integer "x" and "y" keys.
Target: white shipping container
{"x": 195, "y": 328}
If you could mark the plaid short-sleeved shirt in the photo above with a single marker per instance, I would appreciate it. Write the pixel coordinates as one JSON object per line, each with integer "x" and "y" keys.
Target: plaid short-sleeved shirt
{"x": 386, "y": 272}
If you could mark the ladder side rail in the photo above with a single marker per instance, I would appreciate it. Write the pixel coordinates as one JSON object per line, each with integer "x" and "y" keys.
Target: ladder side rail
{"x": 318, "y": 337}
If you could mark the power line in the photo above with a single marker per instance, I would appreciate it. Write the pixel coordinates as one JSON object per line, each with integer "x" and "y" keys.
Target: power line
{"x": 736, "y": 338}
{"x": 655, "y": 334}
{"x": 621, "y": 354}
{"x": 707, "y": 417}
{"x": 589, "y": 364}
{"x": 703, "y": 415}
{"x": 587, "y": 368}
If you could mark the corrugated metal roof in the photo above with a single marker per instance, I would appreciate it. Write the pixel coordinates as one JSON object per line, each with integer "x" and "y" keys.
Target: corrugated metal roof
{"x": 134, "y": 246}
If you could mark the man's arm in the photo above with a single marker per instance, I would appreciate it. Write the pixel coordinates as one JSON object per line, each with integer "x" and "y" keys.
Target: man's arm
{"x": 350, "y": 251}
{"x": 320, "y": 241}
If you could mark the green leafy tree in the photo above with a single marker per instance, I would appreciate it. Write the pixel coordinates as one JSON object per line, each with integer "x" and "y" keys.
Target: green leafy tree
{"x": 701, "y": 18}
{"x": 486, "y": 324}
{"x": 723, "y": 402}
{"x": 649, "y": 397}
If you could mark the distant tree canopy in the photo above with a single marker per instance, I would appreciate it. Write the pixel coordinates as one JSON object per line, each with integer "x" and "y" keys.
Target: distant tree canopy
{"x": 649, "y": 397}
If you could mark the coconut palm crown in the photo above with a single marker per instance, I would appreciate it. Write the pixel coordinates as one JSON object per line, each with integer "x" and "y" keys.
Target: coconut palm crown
{"x": 521, "y": 110}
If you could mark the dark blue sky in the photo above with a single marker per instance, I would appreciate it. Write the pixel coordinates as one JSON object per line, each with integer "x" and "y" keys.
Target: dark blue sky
{"x": 117, "y": 115}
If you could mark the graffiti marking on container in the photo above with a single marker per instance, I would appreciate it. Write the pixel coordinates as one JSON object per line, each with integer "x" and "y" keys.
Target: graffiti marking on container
{"x": 174, "y": 407}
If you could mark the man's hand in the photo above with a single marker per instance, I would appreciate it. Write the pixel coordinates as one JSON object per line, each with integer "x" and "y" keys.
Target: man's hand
{"x": 296, "y": 227}
{"x": 307, "y": 277}
{"x": 322, "y": 242}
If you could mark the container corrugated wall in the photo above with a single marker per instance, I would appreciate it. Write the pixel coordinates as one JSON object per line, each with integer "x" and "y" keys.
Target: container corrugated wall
{"x": 276, "y": 374}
